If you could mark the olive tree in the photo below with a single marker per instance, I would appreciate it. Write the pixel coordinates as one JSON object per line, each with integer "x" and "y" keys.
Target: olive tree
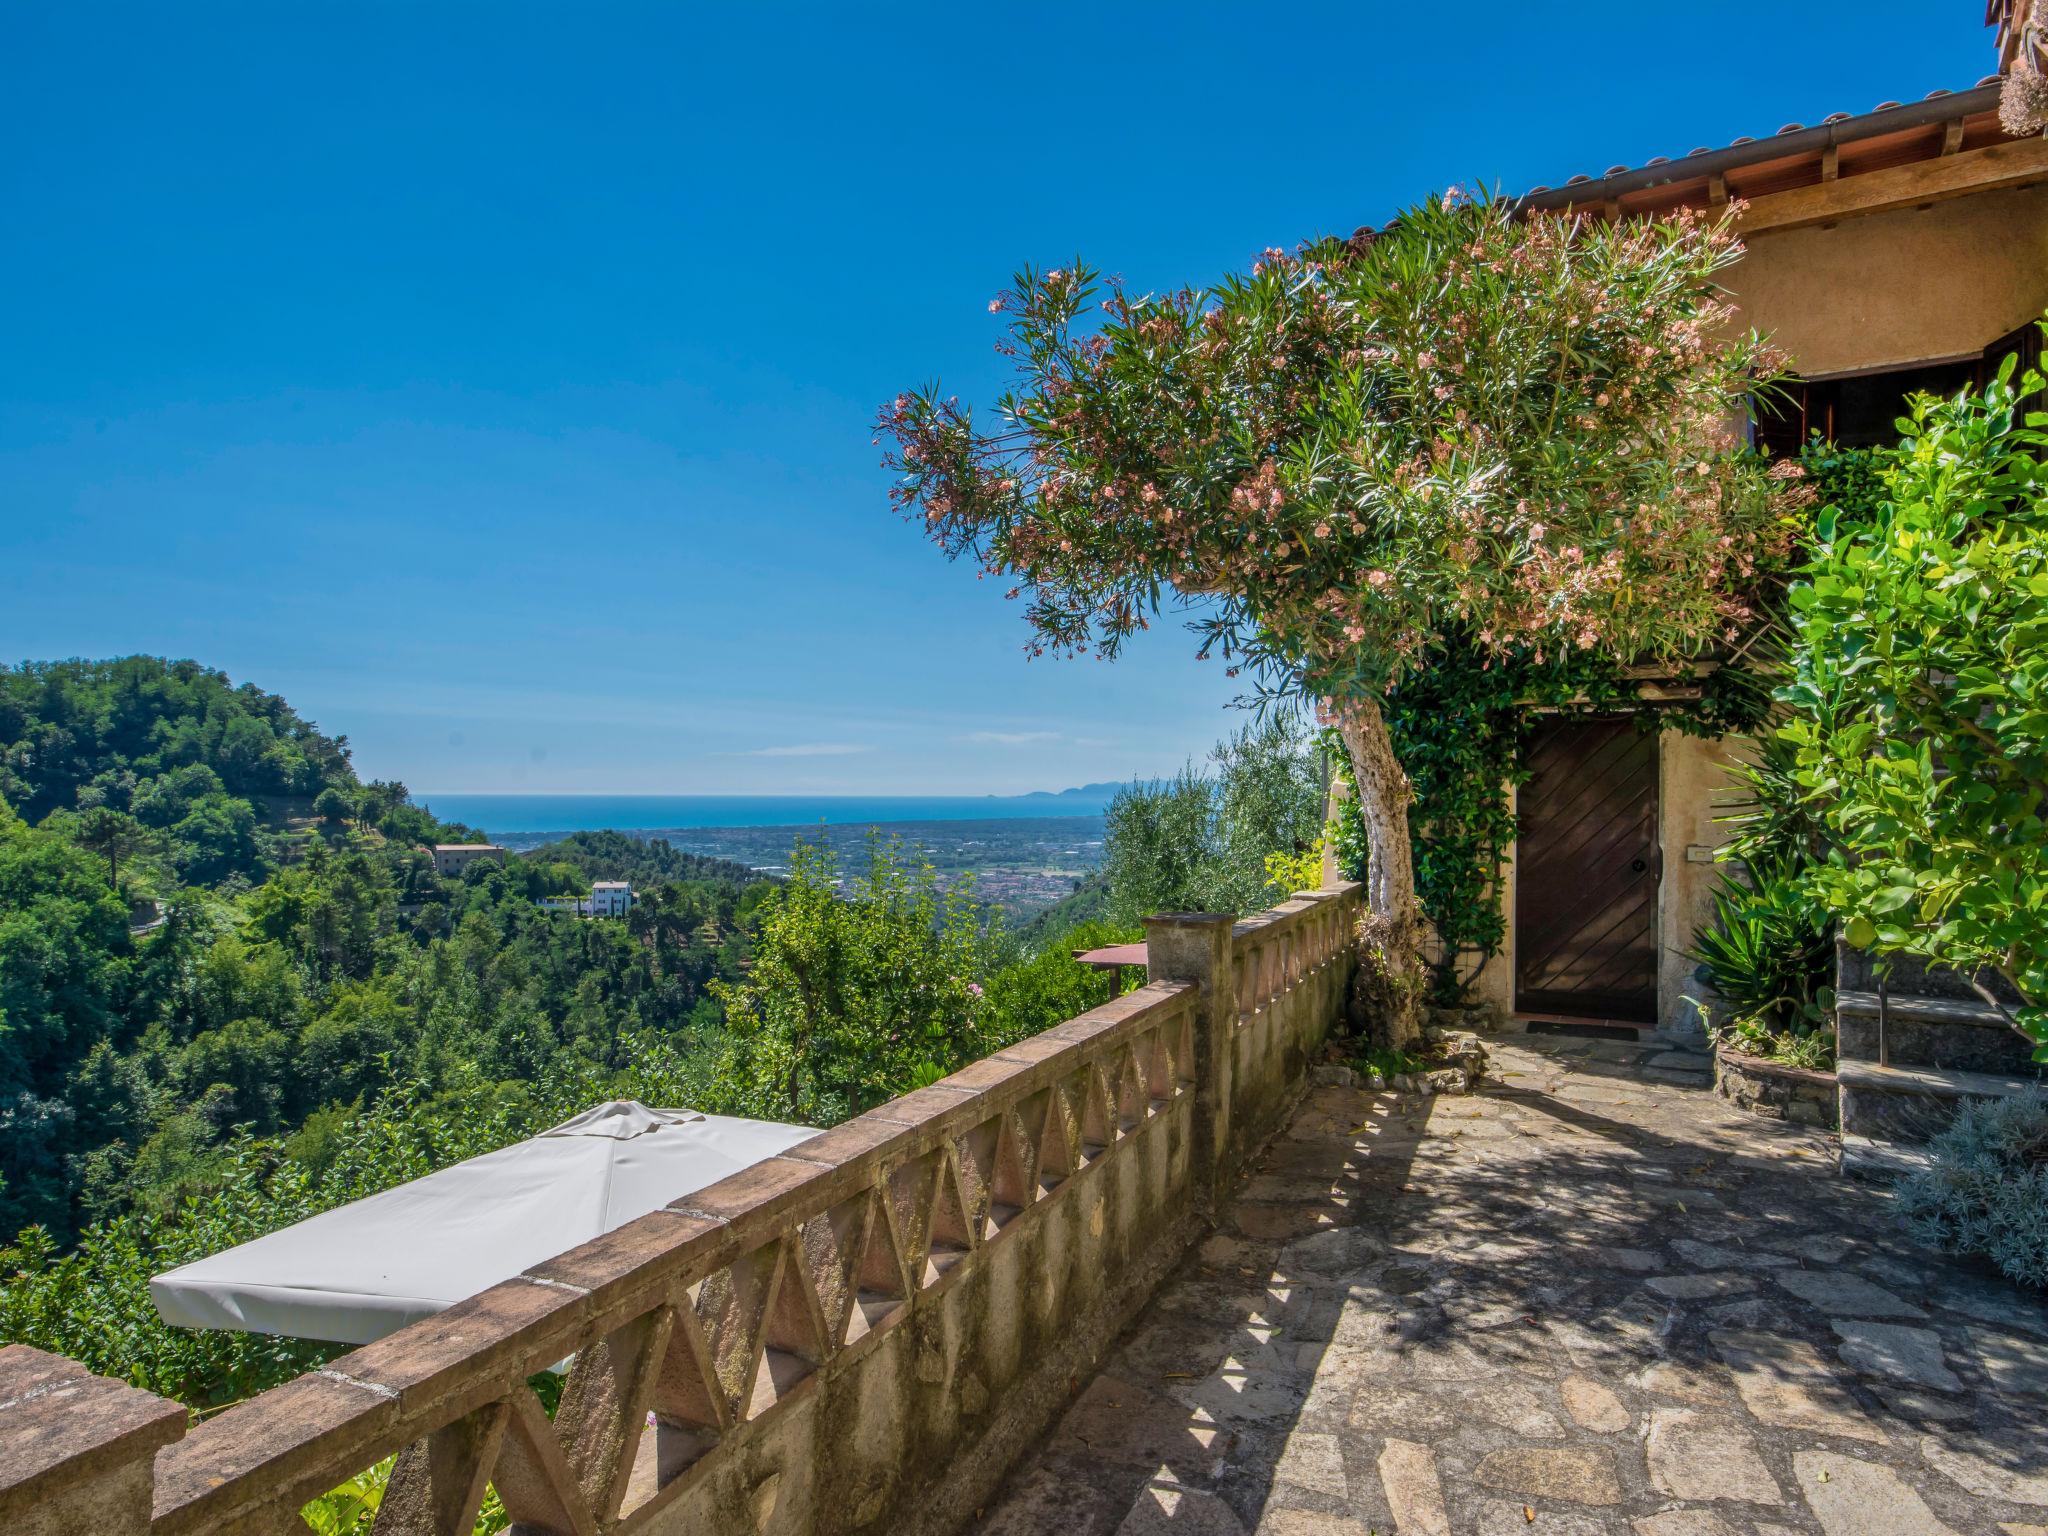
{"x": 1526, "y": 429}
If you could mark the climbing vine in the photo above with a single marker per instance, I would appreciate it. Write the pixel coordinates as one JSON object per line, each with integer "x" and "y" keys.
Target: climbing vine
{"x": 1461, "y": 725}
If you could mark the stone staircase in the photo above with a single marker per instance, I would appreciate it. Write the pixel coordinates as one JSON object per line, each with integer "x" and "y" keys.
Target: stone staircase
{"x": 1913, "y": 1044}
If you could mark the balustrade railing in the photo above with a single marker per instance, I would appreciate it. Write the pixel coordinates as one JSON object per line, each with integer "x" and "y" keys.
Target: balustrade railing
{"x": 692, "y": 1331}
{"x": 1274, "y": 951}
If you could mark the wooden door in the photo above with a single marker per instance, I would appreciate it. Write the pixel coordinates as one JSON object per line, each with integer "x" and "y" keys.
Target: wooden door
{"x": 1586, "y": 872}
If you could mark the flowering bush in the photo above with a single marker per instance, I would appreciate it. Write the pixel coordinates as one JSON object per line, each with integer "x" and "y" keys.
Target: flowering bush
{"x": 1518, "y": 429}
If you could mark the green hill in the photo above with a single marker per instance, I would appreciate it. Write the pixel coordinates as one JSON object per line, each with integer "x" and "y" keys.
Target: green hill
{"x": 174, "y": 770}
{"x": 302, "y": 956}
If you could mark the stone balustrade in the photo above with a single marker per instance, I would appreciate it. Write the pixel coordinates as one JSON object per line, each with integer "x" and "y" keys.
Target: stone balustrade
{"x": 859, "y": 1335}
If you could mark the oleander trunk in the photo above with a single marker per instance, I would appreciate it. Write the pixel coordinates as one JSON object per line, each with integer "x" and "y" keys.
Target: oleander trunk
{"x": 1393, "y": 928}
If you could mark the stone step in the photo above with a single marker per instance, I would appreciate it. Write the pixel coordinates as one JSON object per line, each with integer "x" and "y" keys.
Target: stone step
{"x": 1911, "y": 1105}
{"x": 1920, "y": 1010}
{"x": 1584, "y": 1029}
{"x": 1943, "y": 1033}
{"x": 1870, "y": 1157}
{"x": 1932, "y": 1082}
{"x": 1858, "y": 970}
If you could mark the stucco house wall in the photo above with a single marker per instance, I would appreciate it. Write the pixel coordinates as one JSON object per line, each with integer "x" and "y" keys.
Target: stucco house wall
{"x": 1905, "y": 286}
{"x": 1864, "y": 293}
{"x": 1693, "y": 791}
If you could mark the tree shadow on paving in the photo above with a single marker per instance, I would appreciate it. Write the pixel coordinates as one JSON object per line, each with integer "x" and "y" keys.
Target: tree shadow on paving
{"x": 1432, "y": 1269}
{"x": 1189, "y": 1420}
{"x": 1622, "y": 1248}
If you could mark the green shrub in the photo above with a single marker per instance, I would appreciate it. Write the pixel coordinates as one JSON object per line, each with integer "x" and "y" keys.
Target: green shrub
{"x": 1048, "y": 988}
{"x": 1814, "y": 1050}
{"x": 865, "y": 984}
{"x": 1389, "y": 1062}
{"x": 1202, "y": 842}
{"x": 1850, "y": 480}
{"x": 1287, "y": 873}
{"x": 1771, "y": 820}
{"x": 351, "y": 1509}
{"x": 1987, "y": 1189}
{"x": 1919, "y": 678}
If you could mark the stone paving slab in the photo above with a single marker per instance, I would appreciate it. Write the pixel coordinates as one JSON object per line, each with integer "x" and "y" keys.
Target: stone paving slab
{"x": 1587, "y": 1302}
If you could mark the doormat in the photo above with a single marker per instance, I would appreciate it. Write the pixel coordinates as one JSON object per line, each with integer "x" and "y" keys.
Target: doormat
{"x": 1589, "y": 1031}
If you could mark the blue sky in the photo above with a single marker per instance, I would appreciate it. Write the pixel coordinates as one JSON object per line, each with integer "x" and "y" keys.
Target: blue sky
{"x": 495, "y": 380}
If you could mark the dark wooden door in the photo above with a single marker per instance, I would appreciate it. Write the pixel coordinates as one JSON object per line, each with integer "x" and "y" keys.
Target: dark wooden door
{"x": 1586, "y": 873}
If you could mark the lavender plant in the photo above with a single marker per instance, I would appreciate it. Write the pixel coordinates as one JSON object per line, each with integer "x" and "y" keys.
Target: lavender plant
{"x": 1986, "y": 1190}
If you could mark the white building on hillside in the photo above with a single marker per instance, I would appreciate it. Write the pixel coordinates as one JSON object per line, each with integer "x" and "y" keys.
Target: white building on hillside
{"x": 607, "y": 898}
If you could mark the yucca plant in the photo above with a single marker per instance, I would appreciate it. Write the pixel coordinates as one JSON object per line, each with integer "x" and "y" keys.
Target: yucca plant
{"x": 1772, "y": 823}
{"x": 1769, "y": 952}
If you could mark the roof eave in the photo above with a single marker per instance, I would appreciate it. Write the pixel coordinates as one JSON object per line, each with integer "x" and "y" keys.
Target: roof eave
{"x": 1935, "y": 110}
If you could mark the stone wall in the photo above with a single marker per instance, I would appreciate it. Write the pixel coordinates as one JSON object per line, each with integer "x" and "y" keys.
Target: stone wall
{"x": 1771, "y": 1088}
{"x": 859, "y": 1335}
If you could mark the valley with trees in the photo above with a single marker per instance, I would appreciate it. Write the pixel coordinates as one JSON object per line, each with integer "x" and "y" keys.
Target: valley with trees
{"x": 235, "y": 992}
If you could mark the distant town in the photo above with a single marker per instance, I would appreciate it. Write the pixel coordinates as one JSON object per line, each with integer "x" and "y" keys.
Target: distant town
{"x": 1022, "y": 865}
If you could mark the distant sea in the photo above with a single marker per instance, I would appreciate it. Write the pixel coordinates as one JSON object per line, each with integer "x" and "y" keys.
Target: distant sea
{"x": 516, "y": 814}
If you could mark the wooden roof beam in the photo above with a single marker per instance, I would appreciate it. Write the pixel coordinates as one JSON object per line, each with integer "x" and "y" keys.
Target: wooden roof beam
{"x": 2020, "y": 163}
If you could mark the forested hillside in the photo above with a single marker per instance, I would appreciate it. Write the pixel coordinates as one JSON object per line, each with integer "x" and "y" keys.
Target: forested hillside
{"x": 172, "y": 769}
{"x": 302, "y": 956}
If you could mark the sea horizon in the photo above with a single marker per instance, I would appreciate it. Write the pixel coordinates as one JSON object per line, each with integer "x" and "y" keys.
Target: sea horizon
{"x": 524, "y": 814}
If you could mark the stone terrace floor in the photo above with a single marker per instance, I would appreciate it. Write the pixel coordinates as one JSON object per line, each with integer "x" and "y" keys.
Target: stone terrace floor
{"x": 1592, "y": 1299}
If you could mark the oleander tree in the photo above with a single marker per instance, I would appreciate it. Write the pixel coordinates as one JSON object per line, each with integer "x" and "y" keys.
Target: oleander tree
{"x": 1921, "y": 700}
{"x": 1521, "y": 429}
